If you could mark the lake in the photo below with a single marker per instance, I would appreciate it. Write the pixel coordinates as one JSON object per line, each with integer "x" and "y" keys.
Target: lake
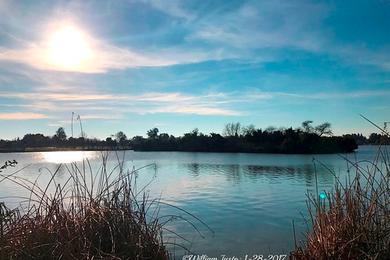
{"x": 248, "y": 200}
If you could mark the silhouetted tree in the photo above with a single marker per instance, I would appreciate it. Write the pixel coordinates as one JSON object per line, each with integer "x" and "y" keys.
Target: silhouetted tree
{"x": 307, "y": 127}
{"x": 60, "y": 134}
{"x": 270, "y": 129}
{"x": 375, "y": 138}
{"x": 304, "y": 140}
{"x": 110, "y": 142}
{"x": 195, "y": 132}
{"x": 121, "y": 138}
{"x": 323, "y": 129}
{"x": 36, "y": 140}
{"x": 248, "y": 130}
{"x": 152, "y": 133}
{"x": 163, "y": 137}
{"x": 232, "y": 129}
{"x": 359, "y": 138}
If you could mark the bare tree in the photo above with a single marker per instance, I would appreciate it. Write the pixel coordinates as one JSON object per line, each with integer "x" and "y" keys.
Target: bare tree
{"x": 307, "y": 127}
{"x": 248, "y": 130}
{"x": 232, "y": 129}
{"x": 323, "y": 129}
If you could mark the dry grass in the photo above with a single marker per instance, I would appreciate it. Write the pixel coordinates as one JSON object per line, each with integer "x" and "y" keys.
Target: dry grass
{"x": 90, "y": 216}
{"x": 353, "y": 222}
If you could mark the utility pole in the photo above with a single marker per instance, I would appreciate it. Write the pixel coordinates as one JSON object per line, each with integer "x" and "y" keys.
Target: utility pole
{"x": 72, "y": 123}
{"x": 81, "y": 126}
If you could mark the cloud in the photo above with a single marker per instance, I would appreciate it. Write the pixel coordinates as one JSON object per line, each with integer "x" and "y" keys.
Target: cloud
{"x": 107, "y": 57}
{"x": 62, "y": 96}
{"x": 360, "y": 55}
{"x": 102, "y": 106}
{"x": 196, "y": 110}
{"x": 214, "y": 36}
{"x": 265, "y": 24}
{"x": 21, "y": 116}
{"x": 336, "y": 95}
{"x": 101, "y": 117}
{"x": 164, "y": 97}
{"x": 104, "y": 58}
{"x": 90, "y": 103}
{"x": 262, "y": 30}
{"x": 249, "y": 30}
{"x": 173, "y": 8}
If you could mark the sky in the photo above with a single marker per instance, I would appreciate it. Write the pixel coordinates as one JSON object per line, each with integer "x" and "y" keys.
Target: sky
{"x": 178, "y": 65}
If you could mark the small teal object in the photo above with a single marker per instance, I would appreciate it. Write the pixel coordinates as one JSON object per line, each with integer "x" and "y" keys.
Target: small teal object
{"x": 322, "y": 195}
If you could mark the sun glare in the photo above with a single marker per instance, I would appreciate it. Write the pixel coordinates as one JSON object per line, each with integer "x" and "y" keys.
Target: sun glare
{"x": 67, "y": 157}
{"x": 68, "y": 48}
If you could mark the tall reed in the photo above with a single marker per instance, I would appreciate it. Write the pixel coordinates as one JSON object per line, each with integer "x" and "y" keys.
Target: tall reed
{"x": 92, "y": 215}
{"x": 353, "y": 221}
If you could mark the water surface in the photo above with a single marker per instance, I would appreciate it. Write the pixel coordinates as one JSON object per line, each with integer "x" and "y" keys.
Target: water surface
{"x": 248, "y": 200}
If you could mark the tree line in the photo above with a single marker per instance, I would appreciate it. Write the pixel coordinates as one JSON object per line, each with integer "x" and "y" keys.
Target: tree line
{"x": 305, "y": 139}
{"x": 373, "y": 139}
{"x": 237, "y": 138}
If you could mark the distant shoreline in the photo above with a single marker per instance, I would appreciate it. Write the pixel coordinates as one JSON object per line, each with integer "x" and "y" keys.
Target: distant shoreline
{"x": 62, "y": 149}
{"x": 307, "y": 139}
{"x": 70, "y": 149}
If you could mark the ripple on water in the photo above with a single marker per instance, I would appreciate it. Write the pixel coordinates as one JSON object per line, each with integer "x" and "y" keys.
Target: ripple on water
{"x": 249, "y": 200}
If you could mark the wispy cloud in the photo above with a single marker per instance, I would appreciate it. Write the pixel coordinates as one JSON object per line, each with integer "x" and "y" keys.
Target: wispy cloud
{"x": 104, "y": 57}
{"x": 61, "y": 96}
{"x": 107, "y": 57}
{"x": 90, "y": 103}
{"x": 95, "y": 105}
{"x": 173, "y": 8}
{"x": 278, "y": 26}
{"x": 196, "y": 110}
{"x": 164, "y": 97}
{"x": 22, "y": 116}
{"x": 251, "y": 30}
{"x": 265, "y": 24}
{"x": 212, "y": 36}
{"x": 113, "y": 116}
{"x": 336, "y": 95}
{"x": 255, "y": 59}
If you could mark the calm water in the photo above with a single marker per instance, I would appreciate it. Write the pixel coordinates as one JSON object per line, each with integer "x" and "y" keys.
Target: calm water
{"x": 249, "y": 200}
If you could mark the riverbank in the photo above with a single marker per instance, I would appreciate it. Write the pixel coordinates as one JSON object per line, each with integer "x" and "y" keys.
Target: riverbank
{"x": 65, "y": 149}
{"x": 92, "y": 149}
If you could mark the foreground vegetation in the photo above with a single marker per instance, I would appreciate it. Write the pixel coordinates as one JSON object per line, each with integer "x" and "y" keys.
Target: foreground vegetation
{"x": 87, "y": 217}
{"x": 353, "y": 221}
{"x": 307, "y": 139}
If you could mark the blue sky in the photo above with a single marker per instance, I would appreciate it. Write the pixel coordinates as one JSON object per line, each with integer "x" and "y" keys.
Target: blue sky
{"x": 177, "y": 65}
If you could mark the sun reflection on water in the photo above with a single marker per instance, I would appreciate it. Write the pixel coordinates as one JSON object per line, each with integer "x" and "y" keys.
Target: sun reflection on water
{"x": 67, "y": 156}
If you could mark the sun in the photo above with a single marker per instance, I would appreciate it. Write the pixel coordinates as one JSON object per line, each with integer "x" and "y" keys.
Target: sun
{"x": 68, "y": 48}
